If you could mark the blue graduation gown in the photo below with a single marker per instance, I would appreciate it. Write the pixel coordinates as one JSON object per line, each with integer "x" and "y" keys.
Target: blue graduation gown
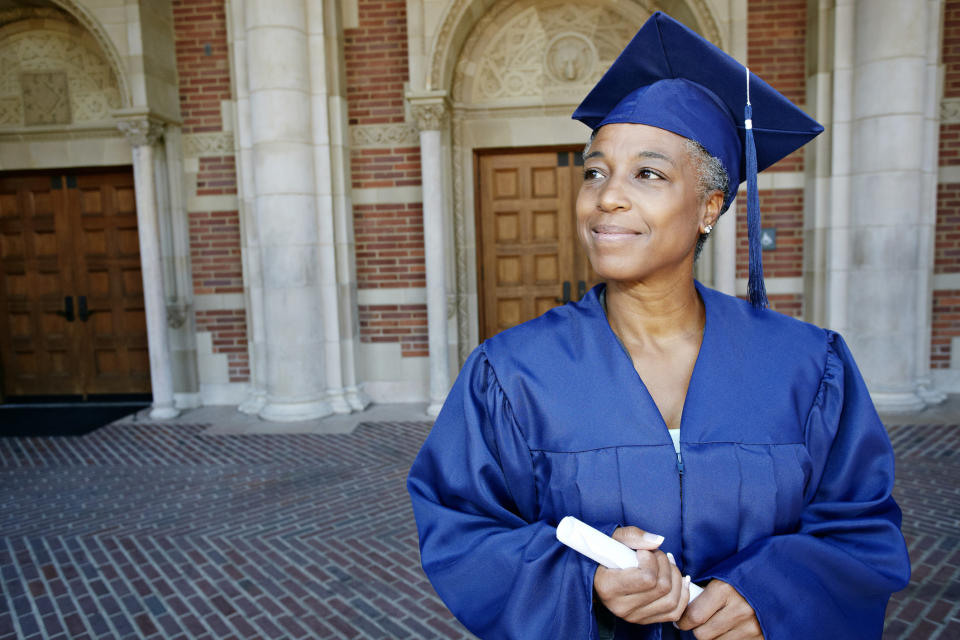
{"x": 784, "y": 491}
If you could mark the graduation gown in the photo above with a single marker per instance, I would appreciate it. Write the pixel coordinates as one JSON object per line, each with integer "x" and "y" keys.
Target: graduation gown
{"x": 783, "y": 492}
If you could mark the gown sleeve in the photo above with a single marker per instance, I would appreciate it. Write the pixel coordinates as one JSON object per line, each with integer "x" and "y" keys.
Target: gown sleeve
{"x": 499, "y": 570}
{"x": 835, "y": 574}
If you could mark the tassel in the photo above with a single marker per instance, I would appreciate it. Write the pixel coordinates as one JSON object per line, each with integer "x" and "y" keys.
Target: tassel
{"x": 757, "y": 291}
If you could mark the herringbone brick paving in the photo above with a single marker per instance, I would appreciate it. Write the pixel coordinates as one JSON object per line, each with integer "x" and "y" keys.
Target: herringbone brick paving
{"x": 162, "y": 531}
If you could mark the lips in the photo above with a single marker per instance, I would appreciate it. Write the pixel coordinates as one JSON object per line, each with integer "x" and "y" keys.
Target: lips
{"x": 613, "y": 232}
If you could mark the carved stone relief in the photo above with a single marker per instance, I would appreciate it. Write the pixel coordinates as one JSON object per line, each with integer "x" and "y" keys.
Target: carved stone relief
{"x": 950, "y": 111}
{"x": 197, "y": 145}
{"x": 553, "y": 50}
{"x": 45, "y": 98}
{"x": 399, "y": 134}
{"x": 54, "y": 76}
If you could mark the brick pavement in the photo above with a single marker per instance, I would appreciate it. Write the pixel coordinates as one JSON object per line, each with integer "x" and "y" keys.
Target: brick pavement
{"x": 163, "y": 531}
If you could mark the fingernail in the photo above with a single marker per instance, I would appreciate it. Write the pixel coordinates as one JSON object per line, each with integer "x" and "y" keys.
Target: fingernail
{"x": 686, "y": 581}
{"x": 675, "y": 625}
{"x": 652, "y": 538}
{"x": 671, "y": 559}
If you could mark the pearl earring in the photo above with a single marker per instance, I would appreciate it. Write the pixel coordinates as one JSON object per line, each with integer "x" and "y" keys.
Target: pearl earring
{"x": 707, "y": 229}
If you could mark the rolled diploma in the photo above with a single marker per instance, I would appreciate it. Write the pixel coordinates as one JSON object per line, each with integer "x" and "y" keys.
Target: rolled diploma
{"x": 601, "y": 548}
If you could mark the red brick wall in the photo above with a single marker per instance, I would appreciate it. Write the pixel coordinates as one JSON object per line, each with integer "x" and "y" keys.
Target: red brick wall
{"x": 947, "y": 247}
{"x": 946, "y": 325}
{"x": 375, "y": 54}
{"x": 776, "y": 51}
{"x": 946, "y": 303}
{"x": 229, "y": 329}
{"x": 378, "y": 168}
{"x": 389, "y": 245}
{"x": 790, "y": 304}
{"x": 215, "y": 252}
{"x": 200, "y": 31}
{"x": 783, "y": 210}
{"x": 405, "y": 323}
{"x": 201, "y": 26}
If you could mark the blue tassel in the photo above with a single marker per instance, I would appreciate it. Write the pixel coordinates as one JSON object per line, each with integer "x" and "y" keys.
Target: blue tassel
{"x": 757, "y": 291}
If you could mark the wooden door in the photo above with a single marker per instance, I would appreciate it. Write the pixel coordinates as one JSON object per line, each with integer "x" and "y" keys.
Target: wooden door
{"x": 529, "y": 257}
{"x": 71, "y": 302}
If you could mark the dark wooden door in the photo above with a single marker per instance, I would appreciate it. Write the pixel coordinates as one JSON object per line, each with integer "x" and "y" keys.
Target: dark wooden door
{"x": 530, "y": 259}
{"x": 71, "y": 302}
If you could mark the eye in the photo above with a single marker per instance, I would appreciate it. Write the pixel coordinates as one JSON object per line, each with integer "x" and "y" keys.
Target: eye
{"x": 592, "y": 174}
{"x": 649, "y": 174}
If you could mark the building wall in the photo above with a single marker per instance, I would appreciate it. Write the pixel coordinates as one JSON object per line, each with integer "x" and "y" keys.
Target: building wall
{"x": 946, "y": 304}
{"x": 387, "y": 210}
{"x": 776, "y": 51}
{"x": 200, "y": 32}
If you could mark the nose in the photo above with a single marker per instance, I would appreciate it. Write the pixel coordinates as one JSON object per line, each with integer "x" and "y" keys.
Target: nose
{"x": 612, "y": 196}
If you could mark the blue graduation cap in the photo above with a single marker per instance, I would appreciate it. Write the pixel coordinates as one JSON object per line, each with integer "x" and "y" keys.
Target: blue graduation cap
{"x": 671, "y": 78}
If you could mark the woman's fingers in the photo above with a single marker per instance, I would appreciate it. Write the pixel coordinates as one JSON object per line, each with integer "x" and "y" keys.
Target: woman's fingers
{"x": 637, "y": 538}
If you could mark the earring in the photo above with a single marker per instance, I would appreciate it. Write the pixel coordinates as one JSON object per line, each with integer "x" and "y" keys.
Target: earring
{"x": 707, "y": 229}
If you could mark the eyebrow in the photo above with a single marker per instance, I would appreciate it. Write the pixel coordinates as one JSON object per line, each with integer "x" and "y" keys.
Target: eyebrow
{"x": 642, "y": 154}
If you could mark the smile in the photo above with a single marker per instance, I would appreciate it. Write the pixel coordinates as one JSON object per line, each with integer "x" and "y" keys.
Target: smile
{"x": 613, "y": 233}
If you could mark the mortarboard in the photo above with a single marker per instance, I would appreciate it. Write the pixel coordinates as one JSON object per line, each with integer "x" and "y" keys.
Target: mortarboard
{"x": 672, "y": 78}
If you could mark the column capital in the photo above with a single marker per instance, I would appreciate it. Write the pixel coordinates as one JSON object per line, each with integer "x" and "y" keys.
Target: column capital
{"x": 139, "y": 127}
{"x": 430, "y": 109}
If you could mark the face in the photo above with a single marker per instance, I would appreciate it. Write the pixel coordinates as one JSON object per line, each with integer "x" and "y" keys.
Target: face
{"x": 639, "y": 210}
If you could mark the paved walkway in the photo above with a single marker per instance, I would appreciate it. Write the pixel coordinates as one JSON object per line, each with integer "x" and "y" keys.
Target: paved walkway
{"x": 196, "y": 530}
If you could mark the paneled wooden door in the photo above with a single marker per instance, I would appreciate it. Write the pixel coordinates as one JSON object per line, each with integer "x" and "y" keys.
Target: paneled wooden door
{"x": 529, "y": 256}
{"x": 71, "y": 300}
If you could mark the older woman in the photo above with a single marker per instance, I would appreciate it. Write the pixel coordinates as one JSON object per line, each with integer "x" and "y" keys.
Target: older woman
{"x": 718, "y": 439}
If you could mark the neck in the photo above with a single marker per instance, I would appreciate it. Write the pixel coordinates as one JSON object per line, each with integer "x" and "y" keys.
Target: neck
{"x": 642, "y": 313}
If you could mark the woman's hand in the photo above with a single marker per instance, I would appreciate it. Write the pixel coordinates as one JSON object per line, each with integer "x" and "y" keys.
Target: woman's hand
{"x": 653, "y": 592}
{"x": 721, "y": 612}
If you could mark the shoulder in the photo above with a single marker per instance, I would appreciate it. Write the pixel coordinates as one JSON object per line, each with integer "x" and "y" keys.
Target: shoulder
{"x": 764, "y": 330}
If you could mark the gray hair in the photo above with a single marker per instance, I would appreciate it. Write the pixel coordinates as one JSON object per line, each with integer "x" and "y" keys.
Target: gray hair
{"x": 712, "y": 177}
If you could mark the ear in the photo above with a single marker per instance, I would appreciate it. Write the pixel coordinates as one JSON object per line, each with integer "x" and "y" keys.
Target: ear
{"x": 711, "y": 209}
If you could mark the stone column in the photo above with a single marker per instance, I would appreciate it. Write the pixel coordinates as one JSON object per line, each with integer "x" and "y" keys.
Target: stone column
{"x": 887, "y": 234}
{"x": 142, "y": 133}
{"x": 725, "y": 251}
{"x": 431, "y": 113}
{"x": 278, "y": 77}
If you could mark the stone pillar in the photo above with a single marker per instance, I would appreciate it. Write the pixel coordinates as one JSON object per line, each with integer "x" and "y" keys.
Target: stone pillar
{"x": 725, "y": 251}
{"x": 430, "y": 113}
{"x": 278, "y": 77}
{"x": 888, "y": 224}
{"x": 142, "y": 133}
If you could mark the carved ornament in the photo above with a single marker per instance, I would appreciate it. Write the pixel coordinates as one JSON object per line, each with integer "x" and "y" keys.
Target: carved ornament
{"x": 384, "y": 135}
{"x": 198, "y": 145}
{"x": 141, "y": 131}
{"x": 950, "y": 111}
{"x": 430, "y": 114}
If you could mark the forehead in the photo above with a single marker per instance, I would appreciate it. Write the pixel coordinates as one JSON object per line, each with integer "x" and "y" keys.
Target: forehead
{"x": 629, "y": 139}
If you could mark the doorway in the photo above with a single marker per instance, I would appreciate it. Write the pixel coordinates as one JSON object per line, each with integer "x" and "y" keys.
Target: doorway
{"x": 72, "y": 319}
{"x": 529, "y": 257}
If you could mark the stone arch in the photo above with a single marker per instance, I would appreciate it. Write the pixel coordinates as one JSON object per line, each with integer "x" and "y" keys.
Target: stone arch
{"x": 55, "y": 69}
{"x": 462, "y": 16}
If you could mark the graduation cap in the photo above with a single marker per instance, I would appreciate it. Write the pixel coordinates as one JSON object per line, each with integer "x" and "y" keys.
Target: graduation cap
{"x": 672, "y": 78}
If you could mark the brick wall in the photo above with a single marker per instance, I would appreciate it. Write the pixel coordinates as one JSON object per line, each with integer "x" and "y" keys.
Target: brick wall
{"x": 405, "y": 323}
{"x": 781, "y": 209}
{"x": 790, "y": 304}
{"x": 946, "y": 325}
{"x": 950, "y": 133}
{"x": 776, "y": 51}
{"x": 200, "y": 28}
{"x": 229, "y": 330}
{"x": 946, "y": 303}
{"x": 389, "y": 245}
{"x": 389, "y": 237}
{"x": 378, "y": 168}
{"x": 200, "y": 31}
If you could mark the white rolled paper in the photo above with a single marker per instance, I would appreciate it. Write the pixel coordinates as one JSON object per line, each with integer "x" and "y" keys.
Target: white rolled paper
{"x": 601, "y": 548}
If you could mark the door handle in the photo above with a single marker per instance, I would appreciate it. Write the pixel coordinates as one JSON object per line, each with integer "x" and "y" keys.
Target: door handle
{"x": 67, "y": 309}
{"x": 82, "y": 311}
{"x": 581, "y": 289}
{"x": 566, "y": 293}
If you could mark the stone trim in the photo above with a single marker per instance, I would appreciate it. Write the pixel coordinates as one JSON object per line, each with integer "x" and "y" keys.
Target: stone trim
{"x": 384, "y": 135}
{"x": 950, "y": 111}
{"x": 198, "y": 145}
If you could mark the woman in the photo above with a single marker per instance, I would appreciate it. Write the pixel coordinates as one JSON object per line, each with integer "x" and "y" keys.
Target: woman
{"x": 719, "y": 439}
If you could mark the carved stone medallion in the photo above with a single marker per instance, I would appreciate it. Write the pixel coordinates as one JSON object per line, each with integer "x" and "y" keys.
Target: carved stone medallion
{"x": 570, "y": 57}
{"x": 45, "y": 98}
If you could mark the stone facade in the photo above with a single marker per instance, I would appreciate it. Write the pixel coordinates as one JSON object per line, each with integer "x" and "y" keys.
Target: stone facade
{"x": 313, "y": 189}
